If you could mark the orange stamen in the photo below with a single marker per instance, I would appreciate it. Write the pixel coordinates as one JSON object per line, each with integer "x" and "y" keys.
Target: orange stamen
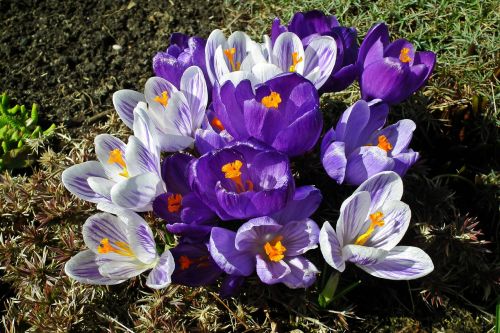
{"x": 185, "y": 262}
{"x": 232, "y": 171}
{"x": 376, "y": 221}
{"x": 403, "y": 55}
{"x": 383, "y": 143}
{"x": 174, "y": 203}
{"x": 295, "y": 61}
{"x": 115, "y": 156}
{"x": 275, "y": 249}
{"x": 271, "y": 101}
{"x": 120, "y": 248}
{"x": 163, "y": 99}
{"x": 229, "y": 53}
{"x": 217, "y": 124}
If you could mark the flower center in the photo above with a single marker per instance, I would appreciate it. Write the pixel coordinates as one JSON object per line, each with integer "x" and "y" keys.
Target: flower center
{"x": 217, "y": 124}
{"x": 174, "y": 203}
{"x": 295, "y": 61}
{"x": 163, "y": 99}
{"x": 115, "y": 156}
{"x": 274, "y": 249}
{"x": 118, "y": 247}
{"x": 376, "y": 221}
{"x": 185, "y": 262}
{"x": 403, "y": 55}
{"x": 229, "y": 53}
{"x": 271, "y": 101}
{"x": 232, "y": 171}
{"x": 383, "y": 143}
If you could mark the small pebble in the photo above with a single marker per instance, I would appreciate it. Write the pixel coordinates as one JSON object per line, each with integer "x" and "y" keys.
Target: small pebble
{"x": 117, "y": 47}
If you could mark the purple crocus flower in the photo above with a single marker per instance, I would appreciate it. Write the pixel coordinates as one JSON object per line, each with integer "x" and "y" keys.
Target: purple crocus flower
{"x": 283, "y": 112}
{"x": 125, "y": 176}
{"x": 243, "y": 180}
{"x": 311, "y": 24}
{"x": 273, "y": 250}
{"x": 194, "y": 266}
{"x": 184, "y": 211}
{"x": 359, "y": 147}
{"x": 119, "y": 248}
{"x": 176, "y": 113}
{"x": 391, "y": 71}
{"x": 372, "y": 222}
{"x": 183, "y": 52}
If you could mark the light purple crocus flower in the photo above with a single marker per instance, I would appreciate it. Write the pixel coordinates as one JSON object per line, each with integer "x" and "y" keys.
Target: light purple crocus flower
{"x": 243, "y": 180}
{"x": 391, "y": 71}
{"x": 119, "y": 248}
{"x": 359, "y": 147}
{"x": 283, "y": 112}
{"x": 311, "y": 24}
{"x": 372, "y": 222}
{"x": 183, "y": 52}
{"x": 126, "y": 176}
{"x": 176, "y": 113}
{"x": 275, "y": 251}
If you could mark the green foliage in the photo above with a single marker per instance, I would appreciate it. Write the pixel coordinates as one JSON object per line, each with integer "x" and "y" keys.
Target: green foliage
{"x": 18, "y": 124}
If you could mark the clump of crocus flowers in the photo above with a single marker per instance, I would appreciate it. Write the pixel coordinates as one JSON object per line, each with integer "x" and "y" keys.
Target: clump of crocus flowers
{"x": 213, "y": 135}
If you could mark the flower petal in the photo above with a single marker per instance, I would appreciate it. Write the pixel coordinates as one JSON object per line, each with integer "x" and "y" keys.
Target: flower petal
{"x": 194, "y": 88}
{"x": 104, "y": 145}
{"x": 363, "y": 255}
{"x": 125, "y": 101}
{"x": 265, "y": 72}
{"x": 353, "y": 216}
{"x": 139, "y": 159}
{"x": 161, "y": 276}
{"x": 84, "y": 269}
{"x": 365, "y": 162}
{"x": 224, "y": 253}
{"x": 321, "y": 52}
{"x": 271, "y": 272}
{"x": 330, "y": 247}
{"x": 136, "y": 193}
{"x": 146, "y": 132}
{"x": 305, "y": 202}
{"x": 286, "y": 44}
{"x": 402, "y": 263}
{"x": 383, "y": 187}
{"x": 75, "y": 179}
{"x": 302, "y": 273}
{"x": 334, "y": 161}
{"x": 155, "y": 86}
{"x": 397, "y": 216}
{"x": 103, "y": 225}
{"x": 141, "y": 238}
{"x": 215, "y": 39}
{"x": 255, "y": 232}
{"x": 300, "y": 237}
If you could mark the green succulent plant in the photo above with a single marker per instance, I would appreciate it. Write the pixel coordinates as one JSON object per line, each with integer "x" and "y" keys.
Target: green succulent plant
{"x": 17, "y": 124}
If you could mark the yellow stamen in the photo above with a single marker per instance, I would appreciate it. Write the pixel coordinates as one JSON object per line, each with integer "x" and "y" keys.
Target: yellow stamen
{"x": 120, "y": 248}
{"x": 271, "y": 101}
{"x": 275, "y": 249}
{"x": 229, "y": 53}
{"x": 403, "y": 55}
{"x": 163, "y": 99}
{"x": 376, "y": 221}
{"x": 115, "y": 156}
{"x": 217, "y": 124}
{"x": 174, "y": 203}
{"x": 295, "y": 61}
{"x": 232, "y": 171}
{"x": 383, "y": 143}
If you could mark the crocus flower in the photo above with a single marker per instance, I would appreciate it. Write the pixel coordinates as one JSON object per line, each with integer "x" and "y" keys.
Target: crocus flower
{"x": 183, "y": 52}
{"x": 176, "y": 113}
{"x": 311, "y": 24}
{"x": 391, "y": 71}
{"x": 194, "y": 266}
{"x": 185, "y": 213}
{"x": 243, "y": 180}
{"x": 241, "y": 58}
{"x": 273, "y": 250}
{"x": 125, "y": 176}
{"x": 119, "y": 248}
{"x": 372, "y": 222}
{"x": 359, "y": 147}
{"x": 283, "y": 112}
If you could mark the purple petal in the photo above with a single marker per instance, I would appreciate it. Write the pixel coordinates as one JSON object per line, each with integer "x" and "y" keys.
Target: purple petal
{"x": 334, "y": 161}
{"x": 271, "y": 272}
{"x": 160, "y": 208}
{"x": 104, "y": 145}
{"x": 194, "y": 87}
{"x": 402, "y": 263}
{"x": 372, "y": 47}
{"x": 139, "y": 159}
{"x": 305, "y": 202}
{"x": 125, "y": 102}
{"x": 286, "y": 44}
{"x": 363, "y": 255}
{"x": 366, "y": 162}
{"x": 194, "y": 210}
{"x": 208, "y": 140}
{"x": 300, "y": 237}
{"x": 321, "y": 52}
{"x": 103, "y": 225}
{"x": 224, "y": 253}
{"x": 145, "y": 131}
{"x": 174, "y": 171}
{"x": 75, "y": 179}
{"x": 191, "y": 233}
{"x": 254, "y": 233}
{"x": 231, "y": 286}
{"x": 353, "y": 216}
{"x": 399, "y": 135}
{"x": 350, "y": 128}
{"x": 215, "y": 39}
{"x": 160, "y": 276}
{"x": 84, "y": 269}
{"x": 396, "y": 219}
{"x": 302, "y": 273}
{"x": 141, "y": 238}
{"x": 402, "y": 162}
{"x": 331, "y": 248}
{"x": 194, "y": 265}
{"x": 136, "y": 193}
